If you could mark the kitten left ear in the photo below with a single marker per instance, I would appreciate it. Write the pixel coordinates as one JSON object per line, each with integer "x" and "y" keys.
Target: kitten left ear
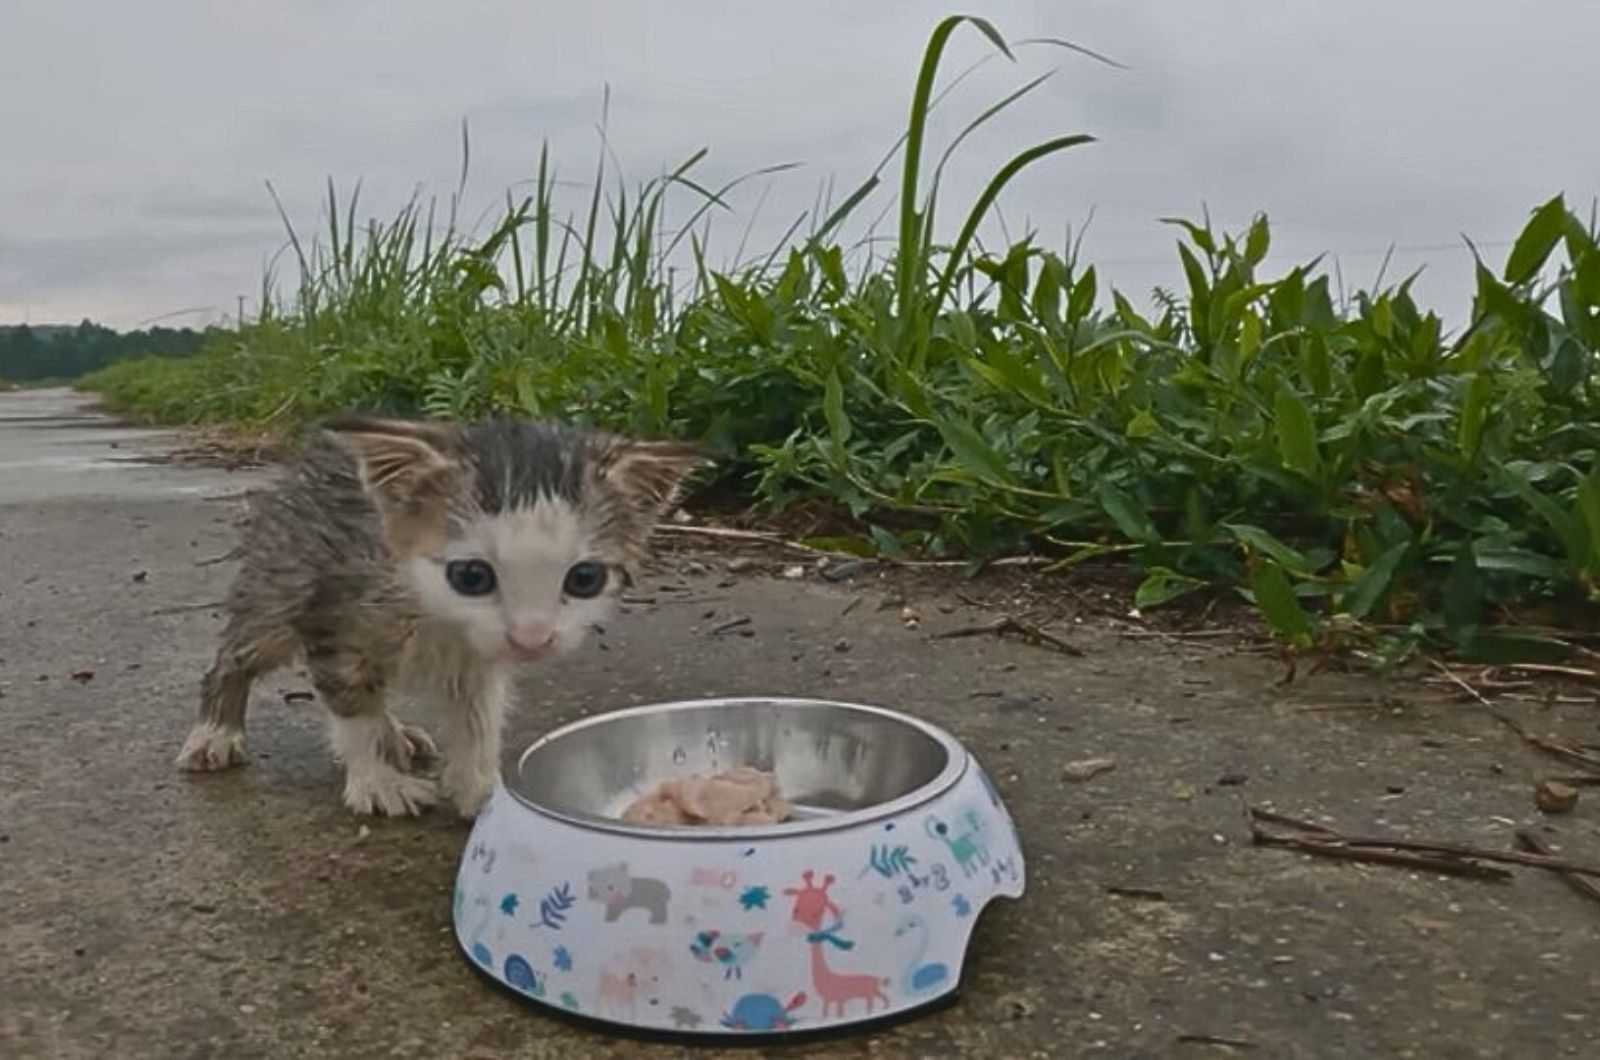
{"x": 651, "y": 474}
{"x": 396, "y": 456}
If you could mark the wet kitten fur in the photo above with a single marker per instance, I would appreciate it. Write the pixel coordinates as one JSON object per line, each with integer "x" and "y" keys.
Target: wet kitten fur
{"x": 345, "y": 564}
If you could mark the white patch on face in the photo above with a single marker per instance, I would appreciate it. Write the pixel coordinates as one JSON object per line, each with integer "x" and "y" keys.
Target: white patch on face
{"x": 531, "y": 550}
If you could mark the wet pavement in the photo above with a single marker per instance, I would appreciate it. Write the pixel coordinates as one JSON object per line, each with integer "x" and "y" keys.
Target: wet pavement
{"x": 149, "y": 914}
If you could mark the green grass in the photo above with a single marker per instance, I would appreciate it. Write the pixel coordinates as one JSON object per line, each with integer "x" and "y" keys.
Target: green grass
{"x": 1366, "y": 475}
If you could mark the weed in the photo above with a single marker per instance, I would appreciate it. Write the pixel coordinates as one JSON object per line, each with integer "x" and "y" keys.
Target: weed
{"x": 1363, "y": 476}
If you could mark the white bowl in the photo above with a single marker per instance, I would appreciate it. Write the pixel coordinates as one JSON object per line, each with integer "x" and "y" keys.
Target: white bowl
{"x": 860, "y": 907}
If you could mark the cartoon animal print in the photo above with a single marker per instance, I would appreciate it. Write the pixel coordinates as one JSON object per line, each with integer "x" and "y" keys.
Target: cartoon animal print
{"x": 520, "y": 974}
{"x": 619, "y": 892}
{"x": 634, "y": 975}
{"x": 965, "y": 840}
{"x": 918, "y": 978}
{"x": 838, "y": 989}
{"x": 812, "y": 906}
{"x": 730, "y": 952}
{"x": 480, "y": 924}
{"x": 989, "y": 789}
{"x": 762, "y": 1012}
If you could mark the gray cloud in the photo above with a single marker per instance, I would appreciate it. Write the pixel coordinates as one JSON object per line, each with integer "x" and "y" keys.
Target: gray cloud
{"x": 138, "y": 185}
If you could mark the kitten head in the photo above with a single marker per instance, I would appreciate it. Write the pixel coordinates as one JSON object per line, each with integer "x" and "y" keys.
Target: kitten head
{"x": 520, "y": 535}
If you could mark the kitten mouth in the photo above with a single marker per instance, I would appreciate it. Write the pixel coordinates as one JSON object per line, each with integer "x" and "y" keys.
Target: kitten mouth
{"x": 526, "y": 656}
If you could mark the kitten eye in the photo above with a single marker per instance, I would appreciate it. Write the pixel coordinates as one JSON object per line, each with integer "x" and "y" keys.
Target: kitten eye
{"x": 585, "y": 580}
{"x": 470, "y": 577}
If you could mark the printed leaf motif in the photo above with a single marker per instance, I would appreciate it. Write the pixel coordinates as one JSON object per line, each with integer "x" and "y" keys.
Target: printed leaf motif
{"x": 562, "y": 959}
{"x": 553, "y": 907}
{"x": 890, "y": 862}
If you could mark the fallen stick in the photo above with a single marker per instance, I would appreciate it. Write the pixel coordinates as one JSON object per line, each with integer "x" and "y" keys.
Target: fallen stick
{"x": 1436, "y": 847}
{"x": 1556, "y": 748}
{"x": 1533, "y": 843}
{"x": 1577, "y": 673}
{"x": 1424, "y": 862}
{"x": 766, "y": 537}
{"x": 1011, "y": 624}
{"x": 1329, "y": 708}
{"x": 1550, "y": 747}
{"x": 1180, "y": 634}
{"x": 1212, "y": 1039}
{"x": 180, "y": 609}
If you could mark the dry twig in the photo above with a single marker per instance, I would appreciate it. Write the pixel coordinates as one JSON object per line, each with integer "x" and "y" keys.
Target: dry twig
{"x": 1011, "y": 624}
{"x": 1545, "y": 744}
{"x": 1441, "y": 855}
{"x": 1583, "y": 886}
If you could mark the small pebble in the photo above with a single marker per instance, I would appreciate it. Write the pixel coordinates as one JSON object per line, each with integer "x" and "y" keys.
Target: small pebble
{"x": 841, "y": 644}
{"x": 1087, "y": 769}
{"x": 740, "y": 564}
{"x": 794, "y": 572}
{"x": 843, "y": 570}
{"x": 362, "y": 833}
{"x": 1552, "y": 796}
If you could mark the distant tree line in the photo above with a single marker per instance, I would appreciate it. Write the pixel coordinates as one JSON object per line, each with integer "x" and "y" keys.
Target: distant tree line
{"x": 29, "y": 354}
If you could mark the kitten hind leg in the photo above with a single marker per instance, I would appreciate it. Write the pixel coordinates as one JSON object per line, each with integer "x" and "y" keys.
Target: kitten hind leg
{"x": 217, "y": 739}
{"x": 378, "y": 752}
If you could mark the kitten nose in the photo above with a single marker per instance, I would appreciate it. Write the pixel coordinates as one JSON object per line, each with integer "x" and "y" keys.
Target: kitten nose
{"x": 530, "y": 636}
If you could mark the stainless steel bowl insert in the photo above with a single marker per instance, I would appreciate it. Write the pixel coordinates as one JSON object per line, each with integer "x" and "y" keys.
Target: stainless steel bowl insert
{"x": 839, "y": 764}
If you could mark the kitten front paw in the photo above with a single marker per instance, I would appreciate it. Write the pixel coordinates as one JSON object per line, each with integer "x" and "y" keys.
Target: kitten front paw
{"x": 382, "y": 789}
{"x": 467, "y": 787}
{"x": 211, "y": 747}
{"x": 416, "y": 751}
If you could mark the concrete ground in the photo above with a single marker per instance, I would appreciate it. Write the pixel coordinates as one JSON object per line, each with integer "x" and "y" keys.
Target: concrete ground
{"x": 148, "y": 914}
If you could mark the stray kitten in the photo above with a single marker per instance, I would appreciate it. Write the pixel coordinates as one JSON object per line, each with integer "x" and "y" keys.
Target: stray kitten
{"x": 435, "y": 556}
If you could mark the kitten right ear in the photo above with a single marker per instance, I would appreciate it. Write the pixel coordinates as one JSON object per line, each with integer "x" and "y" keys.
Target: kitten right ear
{"x": 397, "y": 456}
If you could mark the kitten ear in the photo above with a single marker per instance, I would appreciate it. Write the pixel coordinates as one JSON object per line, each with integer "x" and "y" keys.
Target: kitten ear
{"x": 397, "y": 456}
{"x": 650, "y": 474}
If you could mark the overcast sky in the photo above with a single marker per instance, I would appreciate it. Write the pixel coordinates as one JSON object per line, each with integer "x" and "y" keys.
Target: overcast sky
{"x": 138, "y": 137}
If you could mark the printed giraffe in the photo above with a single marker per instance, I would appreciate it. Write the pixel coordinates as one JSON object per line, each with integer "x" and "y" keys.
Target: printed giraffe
{"x": 812, "y": 906}
{"x": 812, "y": 909}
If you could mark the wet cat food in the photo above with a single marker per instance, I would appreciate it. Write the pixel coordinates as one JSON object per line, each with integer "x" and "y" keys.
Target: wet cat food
{"x": 741, "y": 796}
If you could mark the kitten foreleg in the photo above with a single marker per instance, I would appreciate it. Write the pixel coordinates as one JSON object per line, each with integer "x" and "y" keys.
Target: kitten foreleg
{"x": 378, "y": 752}
{"x": 474, "y": 717}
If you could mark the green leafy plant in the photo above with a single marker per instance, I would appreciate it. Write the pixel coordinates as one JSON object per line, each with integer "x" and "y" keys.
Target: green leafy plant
{"x": 1351, "y": 466}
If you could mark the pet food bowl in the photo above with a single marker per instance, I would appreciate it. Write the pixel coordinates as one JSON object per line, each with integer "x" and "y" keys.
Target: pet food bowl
{"x": 858, "y": 907}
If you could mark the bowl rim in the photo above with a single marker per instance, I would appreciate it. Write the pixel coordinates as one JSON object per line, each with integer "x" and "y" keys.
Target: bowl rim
{"x": 955, "y": 767}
